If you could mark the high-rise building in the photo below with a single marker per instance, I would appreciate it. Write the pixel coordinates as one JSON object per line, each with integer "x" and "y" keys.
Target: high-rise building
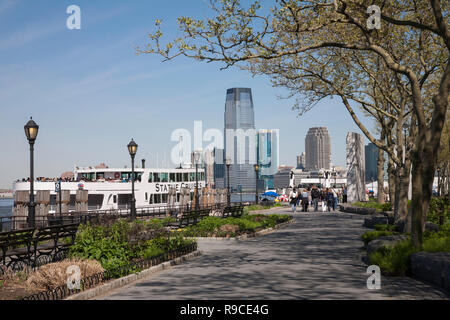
{"x": 240, "y": 138}
{"x": 318, "y": 149}
{"x": 268, "y": 158}
{"x": 301, "y": 161}
{"x": 371, "y": 159}
{"x": 219, "y": 169}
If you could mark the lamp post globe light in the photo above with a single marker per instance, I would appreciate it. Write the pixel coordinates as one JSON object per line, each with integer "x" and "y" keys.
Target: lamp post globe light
{"x": 132, "y": 149}
{"x": 31, "y": 132}
{"x": 256, "y": 182}
{"x": 196, "y": 160}
{"x": 228, "y": 163}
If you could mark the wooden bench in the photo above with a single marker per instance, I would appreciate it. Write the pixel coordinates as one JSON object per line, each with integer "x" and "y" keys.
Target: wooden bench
{"x": 234, "y": 211}
{"x": 190, "y": 217}
{"x": 50, "y": 243}
{"x": 16, "y": 248}
{"x": 34, "y": 247}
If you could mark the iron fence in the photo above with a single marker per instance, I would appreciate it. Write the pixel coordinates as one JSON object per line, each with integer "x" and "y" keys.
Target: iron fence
{"x": 17, "y": 222}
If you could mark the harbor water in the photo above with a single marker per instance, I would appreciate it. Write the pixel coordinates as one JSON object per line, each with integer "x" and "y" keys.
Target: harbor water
{"x": 6, "y": 206}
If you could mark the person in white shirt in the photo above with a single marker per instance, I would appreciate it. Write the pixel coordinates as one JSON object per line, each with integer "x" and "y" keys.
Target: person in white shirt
{"x": 293, "y": 195}
{"x": 335, "y": 196}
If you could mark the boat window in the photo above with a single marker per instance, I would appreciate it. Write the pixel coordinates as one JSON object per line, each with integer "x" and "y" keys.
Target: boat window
{"x": 52, "y": 200}
{"x": 202, "y": 176}
{"x": 164, "y": 177}
{"x": 95, "y": 201}
{"x": 157, "y": 198}
{"x": 178, "y": 197}
{"x": 100, "y": 175}
{"x": 114, "y": 199}
{"x": 150, "y": 177}
{"x": 185, "y": 177}
{"x": 151, "y": 199}
{"x": 146, "y": 196}
{"x": 156, "y": 177}
{"x": 179, "y": 177}
{"x": 164, "y": 198}
{"x": 191, "y": 176}
{"x": 124, "y": 199}
{"x": 125, "y": 176}
{"x": 172, "y": 177}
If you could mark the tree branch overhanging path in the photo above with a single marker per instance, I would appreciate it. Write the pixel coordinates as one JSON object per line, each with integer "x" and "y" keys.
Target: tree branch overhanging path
{"x": 398, "y": 74}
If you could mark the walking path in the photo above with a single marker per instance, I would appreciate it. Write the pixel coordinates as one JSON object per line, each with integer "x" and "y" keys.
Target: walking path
{"x": 316, "y": 257}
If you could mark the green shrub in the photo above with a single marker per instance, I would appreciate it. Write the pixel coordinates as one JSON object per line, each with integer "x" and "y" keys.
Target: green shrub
{"x": 373, "y": 204}
{"x": 439, "y": 206}
{"x": 371, "y": 235}
{"x": 385, "y": 227}
{"x": 111, "y": 245}
{"x": 393, "y": 260}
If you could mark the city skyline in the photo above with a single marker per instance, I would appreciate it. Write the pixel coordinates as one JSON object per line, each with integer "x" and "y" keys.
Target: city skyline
{"x": 83, "y": 99}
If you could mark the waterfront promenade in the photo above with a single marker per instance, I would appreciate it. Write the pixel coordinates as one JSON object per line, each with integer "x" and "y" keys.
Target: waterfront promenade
{"x": 317, "y": 256}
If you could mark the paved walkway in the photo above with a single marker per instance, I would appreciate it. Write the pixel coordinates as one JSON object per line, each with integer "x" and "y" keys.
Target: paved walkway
{"x": 316, "y": 257}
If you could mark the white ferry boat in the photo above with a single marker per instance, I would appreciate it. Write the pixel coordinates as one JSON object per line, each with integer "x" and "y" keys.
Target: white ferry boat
{"x": 110, "y": 188}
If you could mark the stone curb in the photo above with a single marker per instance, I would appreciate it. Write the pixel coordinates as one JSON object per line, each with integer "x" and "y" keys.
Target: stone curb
{"x": 117, "y": 283}
{"x": 244, "y": 236}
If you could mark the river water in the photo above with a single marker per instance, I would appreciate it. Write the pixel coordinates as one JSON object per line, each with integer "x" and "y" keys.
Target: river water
{"x": 6, "y": 206}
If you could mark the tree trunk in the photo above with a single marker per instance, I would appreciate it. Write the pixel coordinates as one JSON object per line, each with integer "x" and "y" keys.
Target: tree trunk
{"x": 380, "y": 176}
{"x": 404, "y": 215}
{"x": 391, "y": 177}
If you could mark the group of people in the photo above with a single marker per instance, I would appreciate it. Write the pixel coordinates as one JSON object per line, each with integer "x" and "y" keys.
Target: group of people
{"x": 306, "y": 197}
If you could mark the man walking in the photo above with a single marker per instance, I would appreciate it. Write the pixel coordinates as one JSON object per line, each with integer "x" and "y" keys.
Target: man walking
{"x": 315, "y": 194}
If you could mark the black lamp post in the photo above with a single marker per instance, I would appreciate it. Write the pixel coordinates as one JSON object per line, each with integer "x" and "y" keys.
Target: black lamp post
{"x": 132, "y": 149}
{"x": 228, "y": 163}
{"x": 196, "y": 160}
{"x": 256, "y": 182}
{"x": 31, "y": 131}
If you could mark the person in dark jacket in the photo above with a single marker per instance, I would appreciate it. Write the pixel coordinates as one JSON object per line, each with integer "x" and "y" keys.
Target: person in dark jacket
{"x": 330, "y": 199}
{"x": 315, "y": 195}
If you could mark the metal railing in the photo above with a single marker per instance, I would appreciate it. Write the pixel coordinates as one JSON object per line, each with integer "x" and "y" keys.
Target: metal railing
{"x": 21, "y": 222}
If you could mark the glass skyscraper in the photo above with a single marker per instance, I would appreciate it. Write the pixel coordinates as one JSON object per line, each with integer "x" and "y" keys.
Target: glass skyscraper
{"x": 240, "y": 138}
{"x": 268, "y": 155}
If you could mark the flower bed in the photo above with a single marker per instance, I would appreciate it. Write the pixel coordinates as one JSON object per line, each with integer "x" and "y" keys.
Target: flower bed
{"x": 115, "y": 249}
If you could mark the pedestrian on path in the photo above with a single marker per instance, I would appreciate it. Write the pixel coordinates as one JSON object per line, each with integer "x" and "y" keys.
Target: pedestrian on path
{"x": 315, "y": 195}
{"x": 330, "y": 199}
{"x": 293, "y": 197}
{"x": 305, "y": 200}
{"x": 335, "y": 198}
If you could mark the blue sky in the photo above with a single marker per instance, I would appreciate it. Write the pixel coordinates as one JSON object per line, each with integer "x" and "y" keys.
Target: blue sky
{"x": 90, "y": 93}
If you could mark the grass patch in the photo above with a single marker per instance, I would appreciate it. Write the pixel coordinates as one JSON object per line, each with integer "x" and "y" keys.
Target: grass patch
{"x": 371, "y": 235}
{"x": 231, "y": 226}
{"x": 373, "y": 204}
{"x": 385, "y": 227}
